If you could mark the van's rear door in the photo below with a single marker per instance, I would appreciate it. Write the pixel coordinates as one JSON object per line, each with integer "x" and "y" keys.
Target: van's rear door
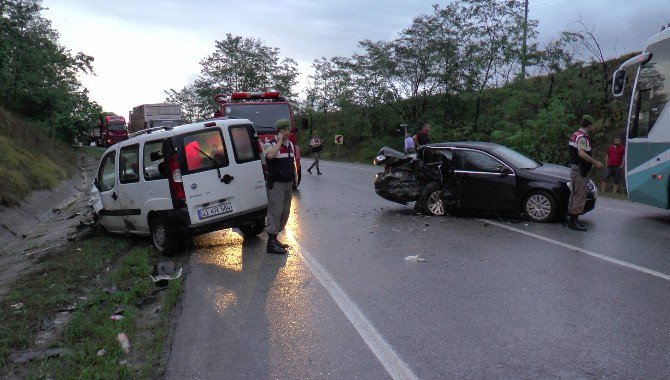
{"x": 248, "y": 170}
{"x": 211, "y": 190}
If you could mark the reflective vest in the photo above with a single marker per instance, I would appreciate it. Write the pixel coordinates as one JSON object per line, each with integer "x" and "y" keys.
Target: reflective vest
{"x": 573, "y": 148}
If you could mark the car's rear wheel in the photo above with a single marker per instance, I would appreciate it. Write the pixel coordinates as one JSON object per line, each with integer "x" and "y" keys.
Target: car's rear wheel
{"x": 164, "y": 241}
{"x": 540, "y": 207}
{"x": 253, "y": 229}
{"x": 431, "y": 199}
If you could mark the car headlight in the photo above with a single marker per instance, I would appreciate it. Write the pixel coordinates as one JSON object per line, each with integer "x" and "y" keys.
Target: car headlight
{"x": 592, "y": 186}
{"x": 379, "y": 159}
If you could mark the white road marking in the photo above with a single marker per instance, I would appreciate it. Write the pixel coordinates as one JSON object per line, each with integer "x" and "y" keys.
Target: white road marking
{"x": 616, "y": 209}
{"x": 393, "y": 364}
{"x": 586, "y": 251}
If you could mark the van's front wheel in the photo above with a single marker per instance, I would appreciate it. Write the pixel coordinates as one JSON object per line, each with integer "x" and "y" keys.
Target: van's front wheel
{"x": 165, "y": 242}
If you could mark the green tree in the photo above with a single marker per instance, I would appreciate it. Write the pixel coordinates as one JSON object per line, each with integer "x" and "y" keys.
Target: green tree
{"x": 38, "y": 76}
{"x": 237, "y": 64}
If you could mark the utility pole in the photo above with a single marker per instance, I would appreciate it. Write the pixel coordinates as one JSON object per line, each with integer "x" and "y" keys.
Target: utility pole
{"x": 525, "y": 36}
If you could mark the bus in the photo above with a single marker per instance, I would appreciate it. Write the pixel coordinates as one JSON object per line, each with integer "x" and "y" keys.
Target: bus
{"x": 647, "y": 161}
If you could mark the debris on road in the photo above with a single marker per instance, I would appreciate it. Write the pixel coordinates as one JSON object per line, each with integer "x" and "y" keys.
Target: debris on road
{"x": 415, "y": 258}
{"x": 30, "y": 354}
{"x": 122, "y": 338}
{"x": 165, "y": 271}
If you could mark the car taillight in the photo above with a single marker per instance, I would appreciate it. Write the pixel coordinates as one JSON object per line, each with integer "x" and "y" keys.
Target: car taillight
{"x": 176, "y": 184}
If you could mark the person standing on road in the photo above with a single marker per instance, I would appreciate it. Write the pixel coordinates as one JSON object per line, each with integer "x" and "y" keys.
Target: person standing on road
{"x": 422, "y": 137}
{"x": 316, "y": 145}
{"x": 614, "y": 167}
{"x": 279, "y": 154}
{"x": 579, "y": 149}
{"x": 409, "y": 144}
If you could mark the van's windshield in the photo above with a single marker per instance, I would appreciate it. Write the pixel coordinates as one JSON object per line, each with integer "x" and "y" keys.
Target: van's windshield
{"x": 264, "y": 116}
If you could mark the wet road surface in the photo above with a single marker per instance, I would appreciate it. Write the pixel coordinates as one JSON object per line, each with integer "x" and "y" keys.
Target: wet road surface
{"x": 494, "y": 298}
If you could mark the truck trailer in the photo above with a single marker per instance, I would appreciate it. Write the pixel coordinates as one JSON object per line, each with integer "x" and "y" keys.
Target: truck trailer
{"x": 155, "y": 115}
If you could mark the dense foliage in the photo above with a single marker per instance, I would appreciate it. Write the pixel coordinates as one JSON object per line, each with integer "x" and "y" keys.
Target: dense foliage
{"x": 38, "y": 76}
{"x": 464, "y": 68}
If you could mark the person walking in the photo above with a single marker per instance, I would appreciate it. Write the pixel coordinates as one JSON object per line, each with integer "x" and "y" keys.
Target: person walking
{"x": 316, "y": 145}
{"x": 579, "y": 149}
{"x": 422, "y": 137}
{"x": 614, "y": 167}
{"x": 409, "y": 144}
{"x": 279, "y": 153}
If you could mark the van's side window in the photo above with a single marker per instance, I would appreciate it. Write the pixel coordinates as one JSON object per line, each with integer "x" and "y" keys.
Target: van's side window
{"x": 107, "y": 174}
{"x": 129, "y": 164}
{"x": 153, "y": 159}
{"x": 244, "y": 137}
{"x": 204, "y": 150}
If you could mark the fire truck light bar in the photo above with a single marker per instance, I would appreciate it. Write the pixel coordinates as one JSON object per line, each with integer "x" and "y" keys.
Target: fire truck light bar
{"x": 255, "y": 95}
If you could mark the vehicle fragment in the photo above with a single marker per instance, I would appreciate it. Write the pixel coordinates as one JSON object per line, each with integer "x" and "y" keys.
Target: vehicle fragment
{"x": 415, "y": 258}
{"x": 165, "y": 271}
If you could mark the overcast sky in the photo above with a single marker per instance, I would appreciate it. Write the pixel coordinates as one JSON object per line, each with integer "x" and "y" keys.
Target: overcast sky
{"x": 142, "y": 48}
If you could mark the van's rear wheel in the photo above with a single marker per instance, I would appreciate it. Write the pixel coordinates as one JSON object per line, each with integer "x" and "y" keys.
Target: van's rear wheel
{"x": 253, "y": 229}
{"x": 164, "y": 240}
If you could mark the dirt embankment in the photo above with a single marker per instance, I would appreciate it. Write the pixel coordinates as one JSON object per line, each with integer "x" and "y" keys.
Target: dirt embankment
{"x": 45, "y": 221}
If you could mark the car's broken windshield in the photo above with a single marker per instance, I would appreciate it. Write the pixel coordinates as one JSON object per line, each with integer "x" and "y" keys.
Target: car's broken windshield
{"x": 515, "y": 158}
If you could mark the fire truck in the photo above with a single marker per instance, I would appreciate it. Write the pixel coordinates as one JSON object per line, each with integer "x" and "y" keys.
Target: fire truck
{"x": 264, "y": 109}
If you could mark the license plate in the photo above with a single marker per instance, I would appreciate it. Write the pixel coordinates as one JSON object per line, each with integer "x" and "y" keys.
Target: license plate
{"x": 223, "y": 208}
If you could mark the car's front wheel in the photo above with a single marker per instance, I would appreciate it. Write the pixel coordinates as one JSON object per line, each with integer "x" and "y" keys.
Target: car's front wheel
{"x": 253, "y": 229}
{"x": 164, "y": 241}
{"x": 540, "y": 207}
{"x": 431, "y": 199}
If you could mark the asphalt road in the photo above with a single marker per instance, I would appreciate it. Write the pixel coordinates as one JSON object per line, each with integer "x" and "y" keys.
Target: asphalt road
{"x": 494, "y": 298}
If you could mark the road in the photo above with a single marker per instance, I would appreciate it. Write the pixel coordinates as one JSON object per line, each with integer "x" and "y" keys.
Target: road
{"x": 494, "y": 298}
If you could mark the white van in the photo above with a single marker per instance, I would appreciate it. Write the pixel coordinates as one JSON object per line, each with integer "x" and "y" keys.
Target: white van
{"x": 175, "y": 182}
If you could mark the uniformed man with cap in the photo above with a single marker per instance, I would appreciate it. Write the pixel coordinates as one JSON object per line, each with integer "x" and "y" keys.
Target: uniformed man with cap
{"x": 579, "y": 149}
{"x": 279, "y": 153}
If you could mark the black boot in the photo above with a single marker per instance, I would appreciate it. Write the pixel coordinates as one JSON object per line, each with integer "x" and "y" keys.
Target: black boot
{"x": 580, "y": 223}
{"x": 283, "y": 245}
{"x": 574, "y": 224}
{"x": 274, "y": 247}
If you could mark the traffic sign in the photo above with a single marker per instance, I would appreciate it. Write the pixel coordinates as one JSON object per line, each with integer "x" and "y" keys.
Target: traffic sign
{"x": 339, "y": 139}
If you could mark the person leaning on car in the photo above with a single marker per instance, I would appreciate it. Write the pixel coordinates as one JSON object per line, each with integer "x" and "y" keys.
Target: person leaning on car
{"x": 279, "y": 153}
{"x": 579, "y": 149}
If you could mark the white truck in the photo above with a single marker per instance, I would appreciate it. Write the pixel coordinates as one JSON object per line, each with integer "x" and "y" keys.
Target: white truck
{"x": 155, "y": 115}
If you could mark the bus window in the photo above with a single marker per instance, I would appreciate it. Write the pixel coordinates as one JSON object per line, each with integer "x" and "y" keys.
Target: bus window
{"x": 652, "y": 90}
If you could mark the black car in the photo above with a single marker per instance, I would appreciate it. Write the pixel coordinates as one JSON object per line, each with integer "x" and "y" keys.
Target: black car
{"x": 476, "y": 177}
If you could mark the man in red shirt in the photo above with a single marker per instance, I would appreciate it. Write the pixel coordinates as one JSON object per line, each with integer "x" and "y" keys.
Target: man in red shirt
{"x": 614, "y": 168}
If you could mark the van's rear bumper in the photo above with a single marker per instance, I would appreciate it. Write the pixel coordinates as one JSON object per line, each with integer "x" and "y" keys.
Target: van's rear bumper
{"x": 179, "y": 221}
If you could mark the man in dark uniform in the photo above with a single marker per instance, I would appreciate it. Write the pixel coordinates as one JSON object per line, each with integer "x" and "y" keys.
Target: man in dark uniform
{"x": 579, "y": 149}
{"x": 279, "y": 154}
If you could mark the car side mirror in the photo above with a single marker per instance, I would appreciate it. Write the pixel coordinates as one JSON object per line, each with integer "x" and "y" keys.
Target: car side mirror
{"x": 96, "y": 183}
{"x": 505, "y": 171}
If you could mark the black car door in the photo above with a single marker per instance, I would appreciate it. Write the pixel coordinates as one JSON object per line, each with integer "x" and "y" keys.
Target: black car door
{"x": 483, "y": 183}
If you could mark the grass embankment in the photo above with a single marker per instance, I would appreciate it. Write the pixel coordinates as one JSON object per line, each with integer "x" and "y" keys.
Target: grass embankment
{"x": 29, "y": 160}
{"x": 93, "y": 278}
